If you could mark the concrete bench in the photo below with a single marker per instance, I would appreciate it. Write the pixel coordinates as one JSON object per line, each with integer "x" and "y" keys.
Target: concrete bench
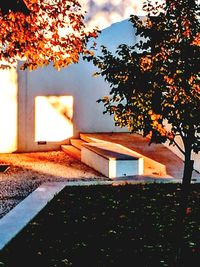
{"x": 112, "y": 160}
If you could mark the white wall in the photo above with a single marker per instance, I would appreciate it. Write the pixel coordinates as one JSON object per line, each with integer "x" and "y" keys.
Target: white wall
{"x": 8, "y": 111}
{"x": 76, "y": 80}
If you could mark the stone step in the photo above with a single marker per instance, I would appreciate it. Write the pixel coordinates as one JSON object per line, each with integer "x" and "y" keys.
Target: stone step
{"x": 77, "y": 143}
{"x": 72, "y": 151}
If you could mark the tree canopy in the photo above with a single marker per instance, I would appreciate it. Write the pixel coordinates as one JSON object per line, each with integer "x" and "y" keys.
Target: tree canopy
{"x": 156, "y": 81}
{"x": 42, "y": 31}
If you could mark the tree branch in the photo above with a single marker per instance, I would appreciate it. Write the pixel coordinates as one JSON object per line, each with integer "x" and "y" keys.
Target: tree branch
{"x": 177, "y": 145}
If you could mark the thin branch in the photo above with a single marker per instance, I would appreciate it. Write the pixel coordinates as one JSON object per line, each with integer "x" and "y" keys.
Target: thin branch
{"x": 176, "y": 144}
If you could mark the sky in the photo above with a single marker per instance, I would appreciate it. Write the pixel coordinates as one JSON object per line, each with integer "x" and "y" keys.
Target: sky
{"x": 102, "y": 13}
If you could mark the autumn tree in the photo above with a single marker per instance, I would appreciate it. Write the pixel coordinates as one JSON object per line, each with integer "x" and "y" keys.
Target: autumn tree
{"x": 155, "y": 82}
{"x": 42, "y": 31}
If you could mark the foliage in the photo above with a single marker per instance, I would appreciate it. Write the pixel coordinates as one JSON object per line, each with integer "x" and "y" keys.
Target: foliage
{"x": 42, "y": 31}
{"x": 108, "y": 226}
{"x": 156, "y": 81}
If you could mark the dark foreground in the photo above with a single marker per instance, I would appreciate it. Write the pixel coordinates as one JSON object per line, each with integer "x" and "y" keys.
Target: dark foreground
{"x": 104, "y": 226}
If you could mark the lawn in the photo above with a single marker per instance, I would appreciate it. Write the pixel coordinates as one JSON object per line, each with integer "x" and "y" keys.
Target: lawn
{"x": 101, "y": 226}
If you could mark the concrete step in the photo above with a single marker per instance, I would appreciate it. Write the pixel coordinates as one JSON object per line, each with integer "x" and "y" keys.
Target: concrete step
{"x": 72, "y": 151}
{"x": 77, "y": 143}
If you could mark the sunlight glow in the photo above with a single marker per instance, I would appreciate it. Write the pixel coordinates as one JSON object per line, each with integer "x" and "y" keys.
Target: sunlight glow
{"x": 53, "y": 118}
{"x": 8, "y": 111}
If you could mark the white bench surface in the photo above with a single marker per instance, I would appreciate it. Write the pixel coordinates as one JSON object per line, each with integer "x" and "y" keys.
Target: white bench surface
{"x": 112, "y": 151}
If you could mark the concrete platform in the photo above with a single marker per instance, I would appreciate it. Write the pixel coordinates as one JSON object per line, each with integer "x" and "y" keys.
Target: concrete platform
{"x": 112, "y": 160}
{"x": 159, "y": 161}
{"x": 151, "y": 166}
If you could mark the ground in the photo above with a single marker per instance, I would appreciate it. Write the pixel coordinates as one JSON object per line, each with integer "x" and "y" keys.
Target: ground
{"x": 28, "y": 170}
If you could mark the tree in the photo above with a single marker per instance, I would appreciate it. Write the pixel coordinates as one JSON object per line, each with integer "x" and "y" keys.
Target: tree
{"x": 156, "y": 81}
{"x": 42, "y": 31}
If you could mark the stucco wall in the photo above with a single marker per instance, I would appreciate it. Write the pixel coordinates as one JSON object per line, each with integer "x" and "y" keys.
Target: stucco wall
{"x": 77, "y": 81}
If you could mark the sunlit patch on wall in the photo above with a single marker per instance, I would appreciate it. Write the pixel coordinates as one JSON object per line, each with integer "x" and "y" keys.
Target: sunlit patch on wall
{"x": 8, "y": 111}
{"x": 53, "y": 118}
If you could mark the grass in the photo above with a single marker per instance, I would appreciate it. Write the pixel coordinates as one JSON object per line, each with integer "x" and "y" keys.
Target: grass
{"x": 104, "y": 226}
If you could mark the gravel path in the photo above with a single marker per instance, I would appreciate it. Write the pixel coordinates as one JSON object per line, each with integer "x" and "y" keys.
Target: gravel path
{"x": 28, "y": 170}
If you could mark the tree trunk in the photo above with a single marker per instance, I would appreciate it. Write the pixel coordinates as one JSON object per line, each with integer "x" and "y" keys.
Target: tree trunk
{"x": 185, "y": 190}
